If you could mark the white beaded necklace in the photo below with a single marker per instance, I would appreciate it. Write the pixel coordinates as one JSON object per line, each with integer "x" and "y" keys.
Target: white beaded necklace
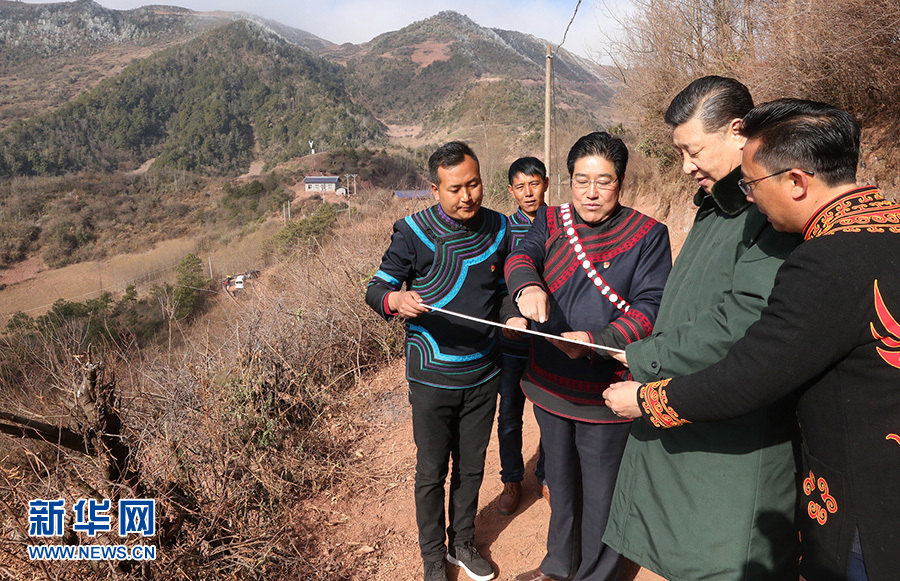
{"x": 592, "y": 273}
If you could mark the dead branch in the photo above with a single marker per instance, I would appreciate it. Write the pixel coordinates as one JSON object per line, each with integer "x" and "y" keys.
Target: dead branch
{"x": 28, "y": 428}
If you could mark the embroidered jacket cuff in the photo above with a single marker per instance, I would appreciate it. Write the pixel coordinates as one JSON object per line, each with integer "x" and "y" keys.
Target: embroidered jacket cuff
{"x": 654, "y": 404}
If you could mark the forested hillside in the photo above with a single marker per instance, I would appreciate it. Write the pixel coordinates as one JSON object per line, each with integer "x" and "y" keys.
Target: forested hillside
{"x": 430, "y": 74}
{"x": 197, "y": 107}
{"x": 432, "y": 69}
{"x": 49, "y": 53}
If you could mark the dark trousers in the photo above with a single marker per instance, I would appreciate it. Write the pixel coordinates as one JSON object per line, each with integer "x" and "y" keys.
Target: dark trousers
{"x": 856, "y": 568}
{"x": 449, "y": 424}
{"x": 582, "y": 463}
{"x": 509, "y": 423}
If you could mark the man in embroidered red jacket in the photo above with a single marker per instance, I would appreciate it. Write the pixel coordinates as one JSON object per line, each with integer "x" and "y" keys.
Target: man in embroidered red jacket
{"x": 830, "y": 333}
{"x": 594, "y": 271}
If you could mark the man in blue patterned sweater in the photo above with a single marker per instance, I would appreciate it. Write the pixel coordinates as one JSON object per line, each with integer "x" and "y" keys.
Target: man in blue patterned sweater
{"x": 528, "y": 183}
{"x": 450, "y": 256}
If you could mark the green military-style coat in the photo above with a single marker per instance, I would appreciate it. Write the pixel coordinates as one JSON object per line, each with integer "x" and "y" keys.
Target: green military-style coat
{"x": 846, "y": 368}
{"x": 711, "y": 501}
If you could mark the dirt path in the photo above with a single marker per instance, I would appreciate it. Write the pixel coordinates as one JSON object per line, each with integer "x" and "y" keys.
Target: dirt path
{"x": 144, "y": 167}
{"x": 371, "y": 520}
{"x": 256, "y": 168}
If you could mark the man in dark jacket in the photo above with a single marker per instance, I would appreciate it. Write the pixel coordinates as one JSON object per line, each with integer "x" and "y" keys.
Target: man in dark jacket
{"x": 450, "y": 256}
{"x": 528, "y": 183}
{"x": 714, "y": 501}
{"x": 830, "y": 333}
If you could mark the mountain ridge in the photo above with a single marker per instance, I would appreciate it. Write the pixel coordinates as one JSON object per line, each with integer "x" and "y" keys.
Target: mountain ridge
{"x": 441, "y": 77}
{"x": 433, "y": 72}
{"x": 199, "y": 106}
{"x": 66, "y": 26}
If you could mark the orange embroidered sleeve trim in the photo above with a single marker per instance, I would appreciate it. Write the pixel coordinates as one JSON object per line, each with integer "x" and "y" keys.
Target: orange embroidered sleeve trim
{"x": 656, "y": 405}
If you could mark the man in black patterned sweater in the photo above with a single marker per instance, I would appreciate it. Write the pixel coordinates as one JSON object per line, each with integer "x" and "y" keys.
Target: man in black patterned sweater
{"x": 448, "y": 256}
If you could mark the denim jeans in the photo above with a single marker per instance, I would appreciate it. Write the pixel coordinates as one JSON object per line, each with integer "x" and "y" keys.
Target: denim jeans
{"x": 449, "y": 424}
{"x": 509, "y": 423}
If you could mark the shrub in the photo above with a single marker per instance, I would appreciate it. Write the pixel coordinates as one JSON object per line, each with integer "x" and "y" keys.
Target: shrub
{"x": 190, "y": 287}
{"x": 230, "y": 429}
{"x": 16, "y": 240}
{"x": 19, "y": 321}
{"x": 246, "y": 203}
{"x": 306, "y": 230}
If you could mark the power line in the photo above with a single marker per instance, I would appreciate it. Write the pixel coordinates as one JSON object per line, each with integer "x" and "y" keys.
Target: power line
{"x": 566, "y": 33}
{"x": 554, "y": 133}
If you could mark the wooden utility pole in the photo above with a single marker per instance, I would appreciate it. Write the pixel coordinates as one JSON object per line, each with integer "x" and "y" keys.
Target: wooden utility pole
{"x": 547, "y": 80}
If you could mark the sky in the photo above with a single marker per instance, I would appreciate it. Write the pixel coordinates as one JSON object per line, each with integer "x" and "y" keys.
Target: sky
{"x": 358, "y": 21}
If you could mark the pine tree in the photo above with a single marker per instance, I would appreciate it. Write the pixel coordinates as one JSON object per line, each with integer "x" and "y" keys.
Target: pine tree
{"x": 189, "y": 287}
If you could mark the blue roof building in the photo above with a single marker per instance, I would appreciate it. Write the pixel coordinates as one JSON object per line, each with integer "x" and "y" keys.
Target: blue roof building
{"x": 413, "y": 194}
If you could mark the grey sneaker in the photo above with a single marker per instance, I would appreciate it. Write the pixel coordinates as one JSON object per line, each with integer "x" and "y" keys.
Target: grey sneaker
{"x": 435, "y": 571}
{"x": 468, "y": 557}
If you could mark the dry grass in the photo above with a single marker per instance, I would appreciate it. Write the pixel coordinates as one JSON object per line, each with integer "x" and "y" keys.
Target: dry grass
{"x": 231, "y": 431}
{"x": 85, "y": 280}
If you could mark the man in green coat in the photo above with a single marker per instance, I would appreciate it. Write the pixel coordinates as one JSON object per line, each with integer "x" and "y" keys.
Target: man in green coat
{"x": 711, "y": 501}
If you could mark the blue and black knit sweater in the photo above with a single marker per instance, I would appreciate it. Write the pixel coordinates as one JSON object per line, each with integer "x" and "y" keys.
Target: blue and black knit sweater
{"x": 456, "y": 266}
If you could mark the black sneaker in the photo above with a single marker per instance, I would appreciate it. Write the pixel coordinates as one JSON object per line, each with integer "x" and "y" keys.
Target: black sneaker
{"x": 435, "y": 571}
{"x": 468, "y": 557}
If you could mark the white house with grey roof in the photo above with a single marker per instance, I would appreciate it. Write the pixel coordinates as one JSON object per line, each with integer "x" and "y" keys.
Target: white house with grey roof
{"x": 321, "y": 183}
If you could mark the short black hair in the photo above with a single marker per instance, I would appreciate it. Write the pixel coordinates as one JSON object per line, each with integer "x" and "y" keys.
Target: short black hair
{"x": 449, "y": 155}
{"x": 794, "y": 133}
{"x": 529, "y": 166}
{"x": 716, "y": 101}
{"x": 602, "y": 144}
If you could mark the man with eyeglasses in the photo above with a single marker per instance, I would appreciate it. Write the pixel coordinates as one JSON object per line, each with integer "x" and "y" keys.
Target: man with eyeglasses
{"x": 830, "y": 334}
{"x": 713, "y": 501}
{"x": 594, "y": 271}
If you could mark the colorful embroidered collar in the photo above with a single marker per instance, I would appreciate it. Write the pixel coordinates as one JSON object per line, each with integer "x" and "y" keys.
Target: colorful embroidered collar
{"x": 859, "y": 210}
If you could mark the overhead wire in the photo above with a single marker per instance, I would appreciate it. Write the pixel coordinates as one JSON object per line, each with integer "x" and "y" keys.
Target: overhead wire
{"x": 554, "y": 140}
{"x": 568, "y": 26}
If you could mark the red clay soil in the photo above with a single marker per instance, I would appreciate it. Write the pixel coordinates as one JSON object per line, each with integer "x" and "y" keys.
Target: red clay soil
{"x": 370, "y": 521}
{"x": 426, "y": 53}
{"x": 23, "y": 270}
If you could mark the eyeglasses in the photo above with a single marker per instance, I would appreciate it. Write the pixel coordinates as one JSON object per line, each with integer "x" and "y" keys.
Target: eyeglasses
{"x": 744, "y": 185}
{"x": 604, "y": 183}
